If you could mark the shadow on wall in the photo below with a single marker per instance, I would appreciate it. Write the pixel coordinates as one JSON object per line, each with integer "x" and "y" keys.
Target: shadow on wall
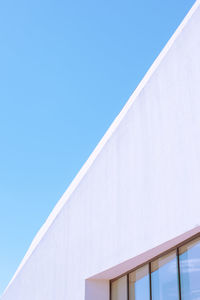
{"x": 96, "y": 289}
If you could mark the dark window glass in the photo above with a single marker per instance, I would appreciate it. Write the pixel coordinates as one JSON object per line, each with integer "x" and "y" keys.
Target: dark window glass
{"x": 190, "y": 270}
{"x": 164, "y": 278}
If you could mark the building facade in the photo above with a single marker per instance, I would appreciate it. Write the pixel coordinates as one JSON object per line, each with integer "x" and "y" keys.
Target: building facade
{"x": 128, "y": 226}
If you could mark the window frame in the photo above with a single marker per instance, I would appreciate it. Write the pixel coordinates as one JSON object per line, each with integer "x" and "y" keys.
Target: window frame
{"x": 148, "y": 262}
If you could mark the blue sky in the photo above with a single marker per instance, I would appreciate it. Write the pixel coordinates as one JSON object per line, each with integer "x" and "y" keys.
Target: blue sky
{"x": 66, "y": 70}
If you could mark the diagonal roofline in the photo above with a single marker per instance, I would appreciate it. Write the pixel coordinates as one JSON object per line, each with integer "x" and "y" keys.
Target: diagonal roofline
{"x": 83, "y": 171}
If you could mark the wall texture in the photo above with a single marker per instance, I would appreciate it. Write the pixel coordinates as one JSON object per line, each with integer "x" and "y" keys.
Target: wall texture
{"x": 139, "y": 189}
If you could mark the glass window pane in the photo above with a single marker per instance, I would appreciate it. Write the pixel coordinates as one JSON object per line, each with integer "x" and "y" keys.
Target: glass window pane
{"x": 190, "y": 270}
{"x": 119, "y": 289}
{"x": 164, "y": 278}
{"x": 139, "y": 288}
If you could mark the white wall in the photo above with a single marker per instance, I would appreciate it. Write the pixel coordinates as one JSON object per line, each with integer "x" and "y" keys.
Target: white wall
{"x": 141, "y": 190}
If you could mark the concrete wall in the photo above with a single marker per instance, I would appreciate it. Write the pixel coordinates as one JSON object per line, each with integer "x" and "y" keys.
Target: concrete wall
{"x": 140, "y": 189}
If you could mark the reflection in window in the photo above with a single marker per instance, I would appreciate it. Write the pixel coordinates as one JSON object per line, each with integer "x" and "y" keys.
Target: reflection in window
{"x": 190, "y": 270}
{"x": 139, "y": 284}
{"x": 164, "y": 278}
{"x": 119, "y": 289}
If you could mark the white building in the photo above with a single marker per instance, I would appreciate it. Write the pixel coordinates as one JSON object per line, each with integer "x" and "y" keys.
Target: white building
{"x": 135, "y": 204}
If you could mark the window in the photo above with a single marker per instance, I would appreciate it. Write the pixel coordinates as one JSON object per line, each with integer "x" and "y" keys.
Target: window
{"x": 139, "y": 284}
{"x": 164, "y": 278}
{"x": 189, "y": 256}
{"x": 119, "y": 289}
{"x": 173, "y": 276}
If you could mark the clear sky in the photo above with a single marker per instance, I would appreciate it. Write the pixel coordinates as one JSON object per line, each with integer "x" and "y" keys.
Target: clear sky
{"x": 67, "y": 67}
